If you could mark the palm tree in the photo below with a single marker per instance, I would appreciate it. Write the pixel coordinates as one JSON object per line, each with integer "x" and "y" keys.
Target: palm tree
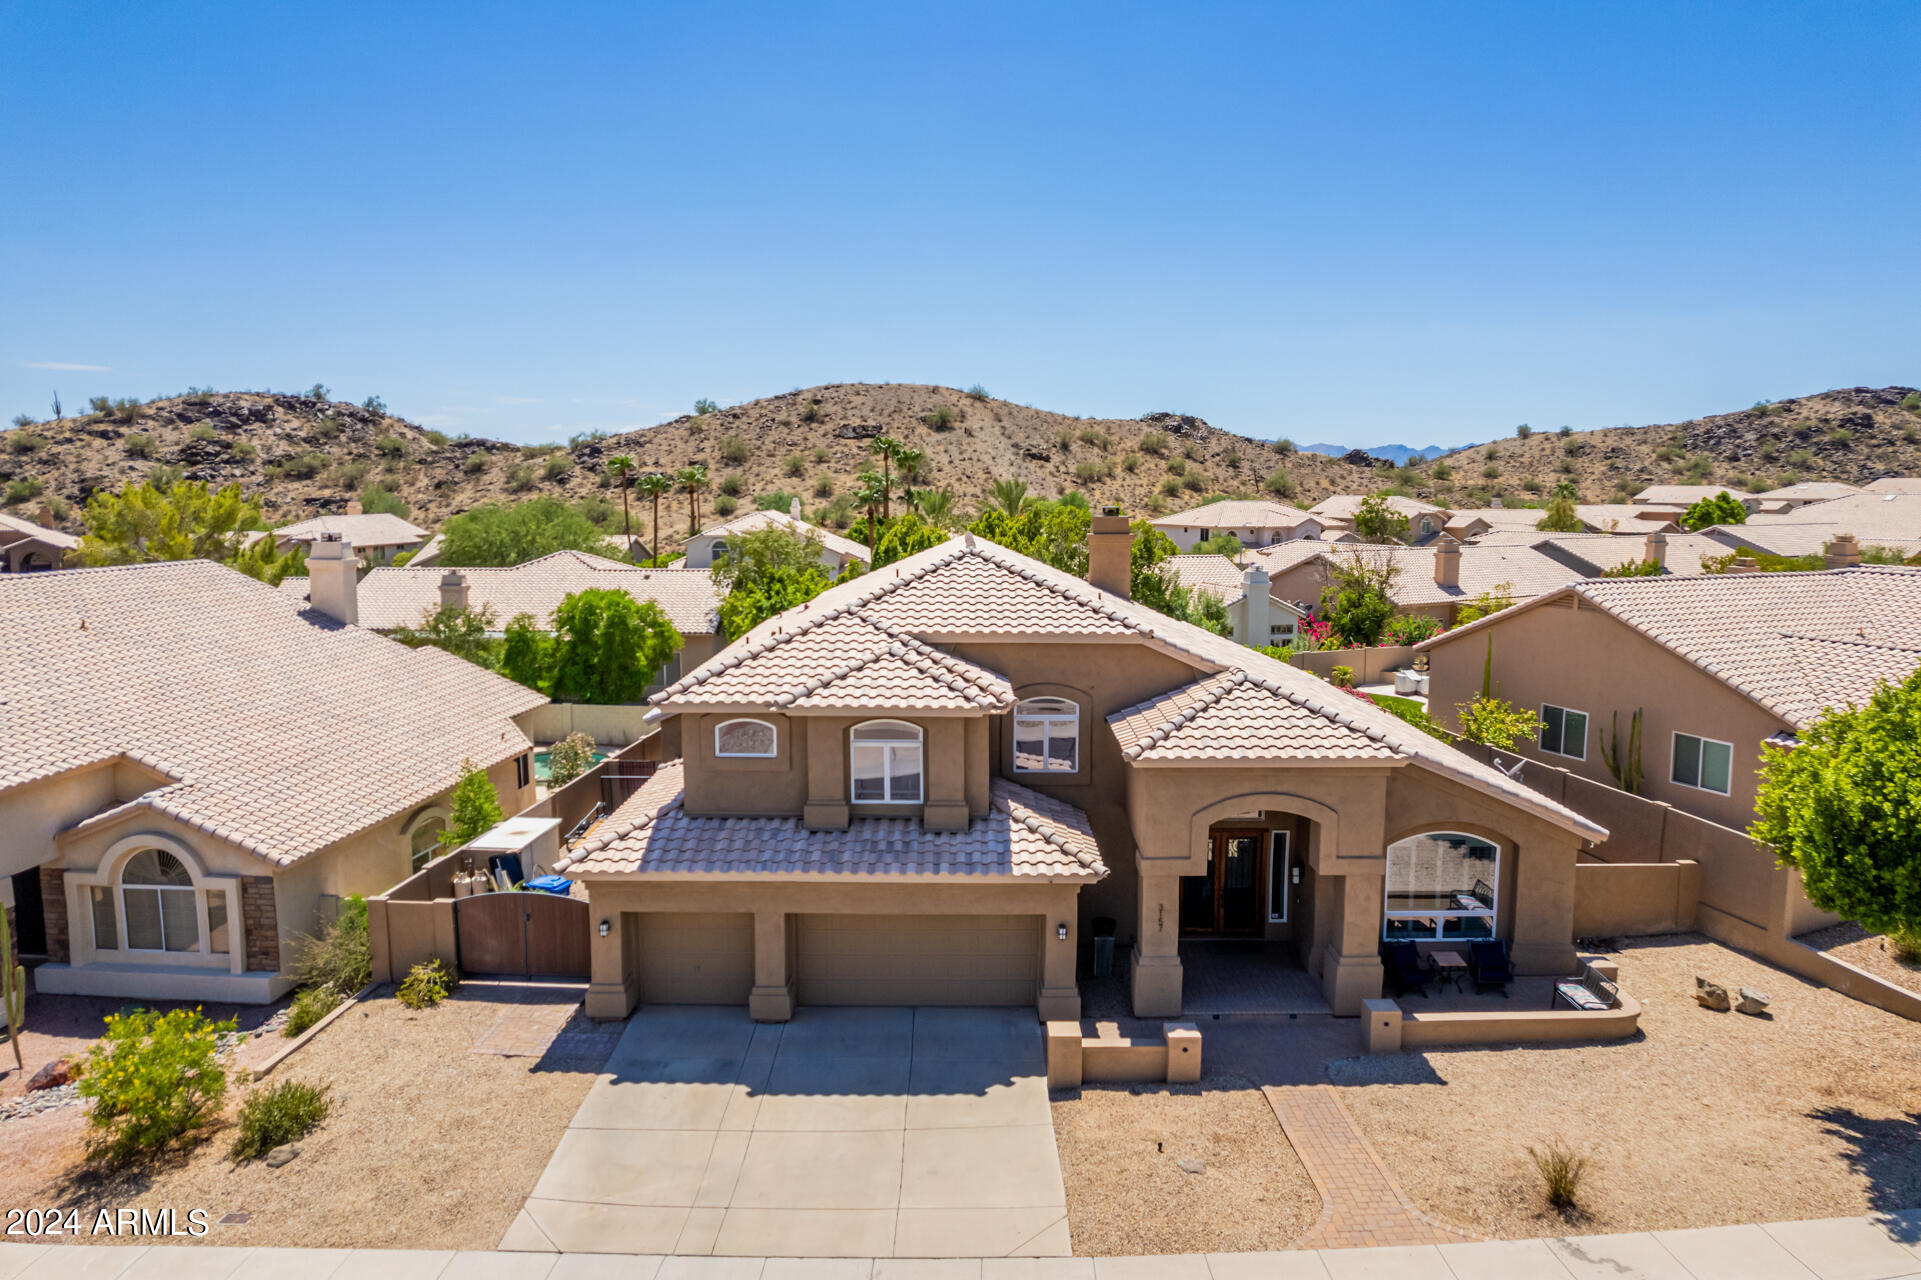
{"x": 1010, "y": 496}
{"x": 871, "y": 493}
{"x": 886, "y": 448}
{"x": 936, "y": 506}
{"x": 622, "y": 468}
{"x": 909, "y": 461}
{"x": 652, "y": 485}
{"x": 691, "y": 481}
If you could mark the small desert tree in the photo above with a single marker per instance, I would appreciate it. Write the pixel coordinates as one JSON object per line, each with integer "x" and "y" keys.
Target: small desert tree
{"x": 1561, "y": 516}
{"x": 567, "y": 759}
{"x": 608, "y": 645}
{"x": 1376, "y": 521}
{"x": 1844, "y": 806}
{"x": 183, "y": 520}
{"x": 1722, "y": 508}
{"x": 1358, "y": 597}
{"x": 462, "y": 632}
{"x": 476, "y": 807}
{"x": 1496, "y": 722}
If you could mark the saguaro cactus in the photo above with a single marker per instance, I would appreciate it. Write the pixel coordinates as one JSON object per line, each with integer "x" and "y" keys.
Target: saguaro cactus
{"x": 13, "y": 988}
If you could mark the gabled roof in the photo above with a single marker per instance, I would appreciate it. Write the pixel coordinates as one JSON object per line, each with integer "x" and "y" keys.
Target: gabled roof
{"x": 1810, "y": 491}
{"x": 1625, "y": 517}
{"x": 1344, "y": 506}
{"x": 1589, "y": 554}
{"x": 1244, "y": 718}
{"x": 1025, "y": 837}
{"x": 1868, "y": 516}
{"x": 971, "y": 589}
{"x": 1490, "y": 565}
{"x": 1216, "y": 575}
{"x": 13, "y": 529}
{"x": 752, "y": 521}
{"x": 376, "y": 529}
{"x": 1796, "y": 643}
{"x": 1686, "y": 495}
{"x": 281, "y": 731}
{"x": 1237, "y": 513}
{"x": 397, "y": 597}
{"x": 1495, "y": 517}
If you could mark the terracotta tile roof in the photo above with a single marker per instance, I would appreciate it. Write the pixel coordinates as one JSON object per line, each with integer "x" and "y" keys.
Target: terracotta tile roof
{"x": 752, "y": 521}
{"x": 1517, "y": 571}
{"x": 1496, "y": 517}
{"x": 1811, "y": 491}
{"x": 1241, "y": 717}
{"x": 848, "y": 662}
{"x": 1796, "y": 643}
{"x": 1343, "y": 506}
{"x": 13, "y": 528}
{"x": 971, "y": 589}
{"x": 397, "y": 597}
{"x": 1216, "y": 575}
{"x": 1686, "y": 495}
{"x": 377, "y": 529}
{"x": 1024, "y": 836}
{"x": 283, "y": 732}
{"x": 1875, "y": 519}
{"x": 1234, "y": 513}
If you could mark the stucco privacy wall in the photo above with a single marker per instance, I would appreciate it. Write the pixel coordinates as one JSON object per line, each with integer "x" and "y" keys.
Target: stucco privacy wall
{"x": 1587, "y": 660}
{"x": 1371, "y": 665}
{"x": 1633, "y": 899}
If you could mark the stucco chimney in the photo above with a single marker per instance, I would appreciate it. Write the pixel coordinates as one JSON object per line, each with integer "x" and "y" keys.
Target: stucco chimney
{"x": 1495, "y": 502}
{"x": 1110, "y": 553}
{"x": 1447, "y": 561}
{"x": 1744, "y": 564}
{"x": 1257, "y": 606}
{"x": 1844, "y": 552}
{"x": 333, "y": 578}
{"x": 1658, "y": 547}
{"x": 453, "y": 590}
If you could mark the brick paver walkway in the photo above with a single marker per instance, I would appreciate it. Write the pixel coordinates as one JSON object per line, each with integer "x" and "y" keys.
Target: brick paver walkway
{"x": 532, "y": 1017}
{"x": 1360, "y": 1204}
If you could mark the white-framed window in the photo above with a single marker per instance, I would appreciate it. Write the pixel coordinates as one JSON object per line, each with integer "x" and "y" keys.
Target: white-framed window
{"x": 1706, "y": 764}
{"x": 719, "y": 551}
{"x": 1563, "y": 731}
{"x": 752, "y": 739}
{"x": 1277, "y": 879}
{"x": 1047, "y": 736}
{"x": 1441, "y": 886}
{"x": 1281, "y": 632}
{"x": 424, "y": 843}
{"x": 885, "y": 759}
{"x": 159, "y": 903}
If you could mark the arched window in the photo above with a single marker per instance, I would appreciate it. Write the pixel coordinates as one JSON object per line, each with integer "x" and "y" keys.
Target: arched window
{"x": 1047, "y": 736}
{"x": 750, "y": 738}
{"x": 158, "y": 900}
{"x": 1441, "y": 887}
{"x": 886, "y": 762}
{"x": 424, "y": 842}
{"x": 719, "y": 551}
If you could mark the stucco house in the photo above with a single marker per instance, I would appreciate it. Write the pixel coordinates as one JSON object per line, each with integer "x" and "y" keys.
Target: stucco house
{"x": 1434, "y": 580}
{"x": 836, "y": 552}
{"x": 1424, "y": 520}
{"x": 1591, "y": 554}
{"x": 26, "y": 547}
{"x": 378, "y": 537}
{"x": 1683, "y": 496}
{"x": 1259, "y": 616}
{"x": 927, "y": 784}
{"x": 1716, "y": 665}
{"x": 194, "y": 769}
{"x": 1469, "y": 523}
{"x": 1788, "y": 497}
{"x": 1254, "y": 522}
{"x": 1875, "y": 519}
{"x": 1627, "y": 517}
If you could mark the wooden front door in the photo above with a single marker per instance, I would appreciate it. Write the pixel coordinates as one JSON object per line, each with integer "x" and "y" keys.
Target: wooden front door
{"x": 1226, "y": 900}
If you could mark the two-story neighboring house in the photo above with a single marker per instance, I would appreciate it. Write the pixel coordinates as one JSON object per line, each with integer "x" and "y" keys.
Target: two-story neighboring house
{"x": 1258, "y": 616}
{"x": 928, "y": 783}
{"x": 1424, "y": 520}
{"x": 1714, "y": 665}
{"x": 193, "y": 767}
{"x": 1253, "y": 522}
{"x": 836, "y": 552}
{"x": 1433, "y": 580}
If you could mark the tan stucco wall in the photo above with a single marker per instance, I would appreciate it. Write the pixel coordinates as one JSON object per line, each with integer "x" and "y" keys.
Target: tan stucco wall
{"x": 750, "y": 786}
{"x": 1585, "y": 660}
{"x": 31, "y": 816}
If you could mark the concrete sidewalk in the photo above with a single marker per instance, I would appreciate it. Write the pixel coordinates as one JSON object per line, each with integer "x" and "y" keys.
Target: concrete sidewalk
{"x": 1883, "y": 1247}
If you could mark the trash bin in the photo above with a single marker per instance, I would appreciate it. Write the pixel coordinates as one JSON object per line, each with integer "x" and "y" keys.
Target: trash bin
{"x": 1103, "y": 929}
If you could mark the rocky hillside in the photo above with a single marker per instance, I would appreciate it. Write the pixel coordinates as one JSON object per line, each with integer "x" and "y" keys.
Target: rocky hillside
{"x": 304, "y": 456}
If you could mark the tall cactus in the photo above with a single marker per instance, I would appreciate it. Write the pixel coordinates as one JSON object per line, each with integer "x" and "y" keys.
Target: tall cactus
{"x": 13, "y": 988}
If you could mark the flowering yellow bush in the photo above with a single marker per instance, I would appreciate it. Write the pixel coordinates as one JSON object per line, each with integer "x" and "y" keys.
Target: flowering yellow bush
{"x": 153, "y": 1079}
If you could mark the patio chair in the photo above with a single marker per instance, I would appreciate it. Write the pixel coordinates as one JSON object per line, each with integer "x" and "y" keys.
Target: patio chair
{"x": 1488, "y": 964}
{"x": 1404, "y": 968}
{"x": 1590, "y": 993}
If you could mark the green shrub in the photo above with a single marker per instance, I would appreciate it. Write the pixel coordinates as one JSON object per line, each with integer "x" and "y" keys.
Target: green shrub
{"x": 1064, "y": 441}
{"x": 1912, "y": 402}
{"x": 520, "y": 478}
{"x": 391, "y": 447}
{"x": 349, "y": 472}
{"x": 1194, "y": 481}
{"x": 427, "y": 984}
{"x": 725, "y": 506}
{"x": 137, "y": 444}
{"x": 1532, "y": 484}
{"x": 337, "y": 957}
{"x": 941, "y": 417}
{"x": 703, "y": 407}
{"x": 1154, "y": 442}
{"x": 1342, "y": 676}
{"x": 1909, "y": 435}
{"x": 303, "y": 466}
{"x": 153, "y": 1079}
{"x": 1280, "y": 484}
{"x": 245, "y": 451}
{"x": 201, "y": 432}
{"x": 24, "y": 489}
{"x": 1284, "y": 446}
{"x": 128, "y": 410}
{"x": 1904, "y": 943}
{"x": 378, "y": 499}
{"x": 309, "y": 1006}
{"x": 328, "y": 428}
{"x": 1089, "y": 472}
{"x": 1099, "y": 439}
{"x": 25, "y": 441}
{"x": 1171, "y": 487}
{"x": 1561, "y": 1172}
{"x": 978, "y": 392}
{"x": 438, "y": 439}
{"x": 1801, "y": 458}
{"x": 276, "y": 1115}
{"x": 1442, "y": 471}
{"x": 822, "y": 454}
{"x": 567, "y": 759}
{"x": 823, "y": 486}
{"x": 1490, "y": 472}
{"x": 557, "y": 467}
{"x": 731, "y": 486}
{"x": 476, "y": 462}
{"x": 735, "y": 450}
{"x": 1176, "y": 467}
{"x": 793, "y": 466}
{"x": 1840, "y": 435}
{"x": 1130, "y": 462}
{"x": 1192, "y": 452}
{"x": 1411, "y": 628}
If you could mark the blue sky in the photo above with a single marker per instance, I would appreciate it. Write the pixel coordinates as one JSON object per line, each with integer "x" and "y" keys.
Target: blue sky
{"x": 1357, "y": 223}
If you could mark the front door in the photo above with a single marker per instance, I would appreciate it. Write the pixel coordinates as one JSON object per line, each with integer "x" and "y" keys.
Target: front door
{"x": 1226, "y": 900}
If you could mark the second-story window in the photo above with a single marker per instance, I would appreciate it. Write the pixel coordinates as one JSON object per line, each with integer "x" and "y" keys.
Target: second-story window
{"x": 751, "y": 738}
{"x": 1046, "y": 736}
{"x": 885, "y": 756}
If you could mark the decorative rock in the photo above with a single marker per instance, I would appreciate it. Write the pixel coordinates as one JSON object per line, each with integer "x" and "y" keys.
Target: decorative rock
{"x": 51, "y": 1076}
{"x": 282, "y": 1155}
{"x": 1710, "y": 995}
{"x": 1752, "y": 1002}
{"x": 1192, "y": 1166}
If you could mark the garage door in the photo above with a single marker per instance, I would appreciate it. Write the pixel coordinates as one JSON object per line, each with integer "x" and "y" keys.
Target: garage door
{"x": 954, "y": 960}
{"x": 696, "y": 957}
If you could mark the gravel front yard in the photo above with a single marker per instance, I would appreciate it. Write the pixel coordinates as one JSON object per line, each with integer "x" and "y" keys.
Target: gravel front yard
{"x": 430, "y": 1144}
{"x": 1701, "y": 1120}
{"x": 1851, "y": 944}
{"x": 1126, "y": 1192}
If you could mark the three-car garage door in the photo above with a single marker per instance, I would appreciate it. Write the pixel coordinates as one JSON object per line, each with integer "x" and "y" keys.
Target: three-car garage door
{"x": 696, "y": 957}
{"x": 913, "y": 959}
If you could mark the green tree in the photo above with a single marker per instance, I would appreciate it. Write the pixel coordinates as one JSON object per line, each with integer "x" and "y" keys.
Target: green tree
{"x": 904, "y": 535}
{"x": 608, "y": 646}
{"x": 1221, "y": 544}
{"x": 153, "y": 1079}
{"x": 1358, "y": 598}
{"x": 263, "y": 559}
{"x": 501, "y": 534}
{"x": 936, "y": 506}
{"x": 888, "y": 450}
{"x": 1010, "y": 496}
{"x": 1376, "y": 521}
{"x": 1561, "y": 517}
{"x": 1052, "y": 532}
{"x": 475, "y": 809}
{"x": 1496, "y": 598}
{"x": 767, "y": 572}
{"x": 1722, "y": 508}
{"x": 524, "y": 652}
{"x": 378, "y": 499}
{"x": 462, "y": 632}
{"x": 1844, "y": 806}
{"x": 622, "y": 468}
{"x": 180, "y": 520}
{"x": 1496, "y": 722}
{"x": 690, "y": 481}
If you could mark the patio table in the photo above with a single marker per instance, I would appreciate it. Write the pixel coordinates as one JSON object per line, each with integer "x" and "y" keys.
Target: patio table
{"x": 1451, "y": 965}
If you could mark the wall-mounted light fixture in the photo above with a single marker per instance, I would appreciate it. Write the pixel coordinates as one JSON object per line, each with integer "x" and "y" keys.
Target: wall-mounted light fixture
{"x": 1060, "y": 931}
{"x": 1296, "y": 875}
{"x": 606, "y": 927}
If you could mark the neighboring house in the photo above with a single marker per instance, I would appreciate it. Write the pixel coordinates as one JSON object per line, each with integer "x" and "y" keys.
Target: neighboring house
{"x": 1434, "y": 580}
{"x": 1473, "y": 522}
{"x": 26, "y": 547}
{"x": 390, "y": 598}
{"x": 193, "y": 771}
{"x": 1894, "y": 484}
{"x": 836, "y": 552}
{"x": 1253, "y": 522}
{"x": 1791, "y": 496}
{"x": 927, "y": 784}
{"x": 1626, "y": 517}
{"x": 1875, "y": 519}
{"x": 378, "y": 537}
{"x": 429, "y": 555}
{"x": 1592, "y": 554}
{"x": 1424, "y": 520}
{"x": 1683, "y": 496}
{"x": 1259, "y": 617}
{"x": 1716, "y": 665}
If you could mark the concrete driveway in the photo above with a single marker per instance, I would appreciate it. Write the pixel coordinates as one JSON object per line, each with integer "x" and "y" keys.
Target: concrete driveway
{"x": 858, "y": 1133}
